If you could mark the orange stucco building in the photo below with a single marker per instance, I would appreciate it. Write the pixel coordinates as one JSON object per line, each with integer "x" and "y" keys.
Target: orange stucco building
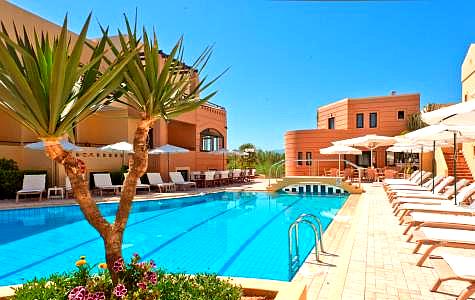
{"x": 201, "y": 131}
{"x": 344, "y": 119}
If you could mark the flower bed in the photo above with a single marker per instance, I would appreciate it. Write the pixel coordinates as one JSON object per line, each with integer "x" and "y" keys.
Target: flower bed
{"x": 137, "y": 280}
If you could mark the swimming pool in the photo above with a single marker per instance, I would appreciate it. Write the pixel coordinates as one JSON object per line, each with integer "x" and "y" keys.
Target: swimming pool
{"x": 233, "y": 234}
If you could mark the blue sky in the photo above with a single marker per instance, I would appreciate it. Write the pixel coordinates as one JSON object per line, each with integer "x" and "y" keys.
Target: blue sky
{"x": 289, "y": 57}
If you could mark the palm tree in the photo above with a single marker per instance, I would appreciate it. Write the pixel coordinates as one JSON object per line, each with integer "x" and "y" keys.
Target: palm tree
{"x": 156, "y": 86}
{"x": 46, "y": 87}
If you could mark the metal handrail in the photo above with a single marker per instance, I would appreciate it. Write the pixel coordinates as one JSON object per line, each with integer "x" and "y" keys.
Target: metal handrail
{"x": 293, "y": 233}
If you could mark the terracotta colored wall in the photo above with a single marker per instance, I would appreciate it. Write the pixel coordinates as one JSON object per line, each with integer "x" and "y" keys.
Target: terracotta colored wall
{"x": 313, "y": 140}
{"x": 182, "y": 134}
{"x": 468, "y": 75}
{"x": 338, "y": 110}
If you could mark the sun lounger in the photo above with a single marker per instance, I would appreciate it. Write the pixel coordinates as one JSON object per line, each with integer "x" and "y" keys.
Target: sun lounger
{"x": 139, "y": 185}
{"x": 427, "y": 198}
{"x": 414, "y": 181}
{"x": 456, "y": 267}
{"x": 420, "y": 219}
{"x": 410, "y": 180}
{"x": 436, "y": 194}
{"x": 67, "y": 186}
{"x": 427, "y": 186}
{"x": 442, "y": 237}
{"x": 155, "y": 180}
{"x": 32, "y": 185}
{"x": 464, "y": 194}
{"x": 179, "y": 181}
{"x": 103, "y": 182}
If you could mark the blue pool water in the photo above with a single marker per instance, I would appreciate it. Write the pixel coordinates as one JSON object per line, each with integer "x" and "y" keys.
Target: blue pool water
{"x": 232, "y": 234}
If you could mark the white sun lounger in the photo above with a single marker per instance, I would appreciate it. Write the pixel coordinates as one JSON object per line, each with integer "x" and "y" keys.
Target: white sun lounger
{"x": 179, "y": 181}
{"x": 410, "y": 180}
{"x": 456, "y": 267}
{"x": 426, "y": 187}
{"x": 443, "y": 185}
{"x": 103, "y": 182}
{"x": 421, "y": 219}
{"x": 442, "y": 237}
{"x": 32, "y": 185}
{"x": 139, "y": 185}
{"x": 155, "y": 179}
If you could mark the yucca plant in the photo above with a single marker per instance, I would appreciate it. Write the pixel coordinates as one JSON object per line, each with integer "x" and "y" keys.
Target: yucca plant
{"x": 156, "y": 86}
{"x": 46, "y": 87}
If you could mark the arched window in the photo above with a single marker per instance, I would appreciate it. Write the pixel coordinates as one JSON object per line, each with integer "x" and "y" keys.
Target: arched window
{"x": 211, "y": 140}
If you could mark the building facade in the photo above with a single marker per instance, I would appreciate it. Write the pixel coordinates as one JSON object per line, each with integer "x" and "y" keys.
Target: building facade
{"x": 344, "y": 119}
{"x": 201, "y": 131}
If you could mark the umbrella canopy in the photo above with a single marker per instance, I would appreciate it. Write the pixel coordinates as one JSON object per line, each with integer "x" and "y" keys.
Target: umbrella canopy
{"x": 370, "y": 141}
{"x": 167, "y": 148}
{"x": 409, "y": 148}
{"x": 340, "y": 149}
{"x": 457, "y": 114}
{"x": 442, "y": 133}
{"x": 64, "y": 143}
{"x": 121, "y": 146}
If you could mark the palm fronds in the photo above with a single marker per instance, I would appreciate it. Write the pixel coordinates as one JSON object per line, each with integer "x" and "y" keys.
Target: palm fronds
{"x": 46, "y": 87}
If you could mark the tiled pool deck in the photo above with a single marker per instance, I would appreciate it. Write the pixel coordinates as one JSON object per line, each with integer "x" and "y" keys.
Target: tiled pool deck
{"x": 367, "y": 255}
{"x": 371, "y": 258}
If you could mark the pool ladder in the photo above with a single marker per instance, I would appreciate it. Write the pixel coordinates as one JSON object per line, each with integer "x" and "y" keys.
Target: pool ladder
{"x": 314, "y": 223}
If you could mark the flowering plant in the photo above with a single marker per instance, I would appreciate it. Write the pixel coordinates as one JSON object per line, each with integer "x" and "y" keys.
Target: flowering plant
{"x": 136, "y": 280}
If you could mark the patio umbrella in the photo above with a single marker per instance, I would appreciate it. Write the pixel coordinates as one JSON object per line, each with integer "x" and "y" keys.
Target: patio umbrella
{"x": 41, "y": 146}
{"x": 340, "y": 149}
{"x": 445, "y": 133}
{"x": 167, "y": 148}
{"x": 458, "y": 114}
{"x": 370, "y": 141}
{"x": 124, "y": 147}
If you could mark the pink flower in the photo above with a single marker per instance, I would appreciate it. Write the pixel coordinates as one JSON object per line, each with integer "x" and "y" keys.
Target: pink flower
{"x": 78, "y": 293}
{"x": 120, "y": 291}
{"x": 151, "y": 277}
{"x": 142, "y": 285}
{"x": 99, "y": 296}
{"x": 118, "y": 265}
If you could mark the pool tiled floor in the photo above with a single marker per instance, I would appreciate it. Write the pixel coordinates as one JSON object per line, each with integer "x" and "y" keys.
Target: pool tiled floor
{"x": 370, "y": 257}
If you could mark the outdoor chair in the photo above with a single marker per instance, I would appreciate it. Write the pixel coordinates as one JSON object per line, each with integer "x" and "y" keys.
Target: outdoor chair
{"x": 442, "y": 237}
{"x": 237, "y": 175}
{"x": 210, "y": 179}
{"x": 410, "y": 180}
{"x": 456, "y": 267}
{"x": 32, "y": 185}
{"x": 422, "y": 193}
{"x": 103, "y": 182}
{"x": 179, "y": 181}
{"x": 155, "y": 180}
{"x": 67, "y": 186}
{"x": 420, "y": 219}
{"x": 139, "y": 185}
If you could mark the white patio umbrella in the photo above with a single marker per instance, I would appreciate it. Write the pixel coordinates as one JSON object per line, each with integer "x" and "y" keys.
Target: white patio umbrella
{"x": 167, "y": 148}
{"x": 458, "y": 114}
{"x": 123, "y": 147}
{"x": 370, "y": 141}
{"x": 445, "y": 133}
{"x": 41, "y": 146}
{"x": 340, "y": 149}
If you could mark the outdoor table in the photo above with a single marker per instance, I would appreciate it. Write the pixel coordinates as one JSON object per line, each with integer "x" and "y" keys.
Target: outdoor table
{"x": 55, "y": 193}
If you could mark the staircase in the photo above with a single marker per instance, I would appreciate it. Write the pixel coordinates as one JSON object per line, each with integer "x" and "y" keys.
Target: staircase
{"x": 463, "y": 170}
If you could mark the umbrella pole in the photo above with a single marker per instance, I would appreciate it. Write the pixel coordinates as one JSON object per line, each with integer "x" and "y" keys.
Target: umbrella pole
{"x": 168, "y": 164}
{"x": 339, "y": 161}
{"x": 371, "y": 158}
{"x": 420, "y": 161}
{"x": 455, "y": 167}
{"x": 433, "y": 166}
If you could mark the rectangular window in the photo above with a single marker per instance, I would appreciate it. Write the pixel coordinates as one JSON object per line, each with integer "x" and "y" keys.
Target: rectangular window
{"x": 331, "y": 123}
{"x": 299, "y": 158}
{"x": 400, "y": 115}
{"x": 308, "y": 158}
{"x": 373, "y": 120}
{"x": 359, "y": 120}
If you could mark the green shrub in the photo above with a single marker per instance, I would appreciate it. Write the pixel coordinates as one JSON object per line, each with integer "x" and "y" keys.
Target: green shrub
{"x": 137, "y": 280}
{"x": 8, "y": 164}
{"x": 11, "y": 178}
